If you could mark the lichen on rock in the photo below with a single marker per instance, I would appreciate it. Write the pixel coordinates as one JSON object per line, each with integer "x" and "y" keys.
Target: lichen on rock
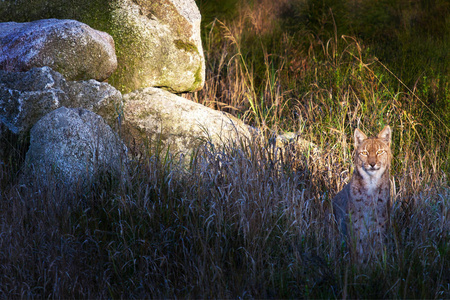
{"x": 25, "y": 97}
{"x": 69, "y": 47}
{"x": 72, "y": 145}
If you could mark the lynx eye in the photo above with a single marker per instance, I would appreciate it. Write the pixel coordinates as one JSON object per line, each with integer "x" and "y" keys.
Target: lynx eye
{"x": 379, "y": 152}
{"x": 364, "y": 152}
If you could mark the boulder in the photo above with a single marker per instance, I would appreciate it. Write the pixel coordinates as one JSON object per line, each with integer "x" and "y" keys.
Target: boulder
{"x": 158, "y": 42}
{"x": 164, "y": 36}
{"x": 98, "y": 97}
{"x": 25, "y": 97}
{"x": 69, "y": 47}
{"x": 178, "y": 123}
{"x": 72, "y": 145}
{"x": 154, "y": 116}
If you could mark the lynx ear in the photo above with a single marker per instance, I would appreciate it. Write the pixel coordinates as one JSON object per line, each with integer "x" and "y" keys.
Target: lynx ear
{"x": 359, "y": 137}
{"x": 385, "y": 135}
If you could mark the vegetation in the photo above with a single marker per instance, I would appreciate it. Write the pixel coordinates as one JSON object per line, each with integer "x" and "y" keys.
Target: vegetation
{"x": 253, "y": 220}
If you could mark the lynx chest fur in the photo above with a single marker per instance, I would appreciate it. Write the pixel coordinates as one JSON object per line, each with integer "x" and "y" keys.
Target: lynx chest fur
{"x": 362, "y": 207}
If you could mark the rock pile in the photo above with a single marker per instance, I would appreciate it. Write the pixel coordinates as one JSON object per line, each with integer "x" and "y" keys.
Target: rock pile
{"x": 51, "y": 90}
{"x": 158, "y": 42}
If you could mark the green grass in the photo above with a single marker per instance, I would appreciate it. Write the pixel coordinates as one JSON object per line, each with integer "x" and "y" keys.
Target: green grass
{"x": 251, "y": 220}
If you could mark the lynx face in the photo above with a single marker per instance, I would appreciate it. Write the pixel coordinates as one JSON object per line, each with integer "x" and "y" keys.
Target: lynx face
{"x": 373, "y": 155}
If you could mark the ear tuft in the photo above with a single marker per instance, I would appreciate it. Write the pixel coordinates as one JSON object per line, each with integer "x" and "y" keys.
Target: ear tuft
{"x": 359, "y": 137}
{"x": 385, "y": 135}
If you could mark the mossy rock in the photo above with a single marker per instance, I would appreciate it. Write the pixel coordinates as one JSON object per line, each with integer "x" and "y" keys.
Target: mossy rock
{"x": 157, "y": 42}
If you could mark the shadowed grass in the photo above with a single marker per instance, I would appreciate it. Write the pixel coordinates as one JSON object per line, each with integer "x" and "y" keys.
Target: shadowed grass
{"x": 239, "y": 222}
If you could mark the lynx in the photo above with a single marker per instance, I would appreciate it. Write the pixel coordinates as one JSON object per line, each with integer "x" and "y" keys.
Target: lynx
{"x": 362, "y": 207}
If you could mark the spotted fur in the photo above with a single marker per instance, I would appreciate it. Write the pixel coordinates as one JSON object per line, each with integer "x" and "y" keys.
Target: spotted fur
{"x": 362, "y": 207}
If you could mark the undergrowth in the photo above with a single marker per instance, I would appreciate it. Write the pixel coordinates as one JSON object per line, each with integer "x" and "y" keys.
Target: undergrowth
{"x": 238, "y": 222}
{"x": 252, "y": 219}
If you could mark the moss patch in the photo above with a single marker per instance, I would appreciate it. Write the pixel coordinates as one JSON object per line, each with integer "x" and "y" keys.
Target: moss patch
{"x": 198, "y": 79}
{"x": 188, "y": 47}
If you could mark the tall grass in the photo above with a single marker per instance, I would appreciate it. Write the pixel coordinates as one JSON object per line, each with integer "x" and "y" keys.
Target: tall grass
{"x": 239, "y": 222}
{"x": 252, "y": 219}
